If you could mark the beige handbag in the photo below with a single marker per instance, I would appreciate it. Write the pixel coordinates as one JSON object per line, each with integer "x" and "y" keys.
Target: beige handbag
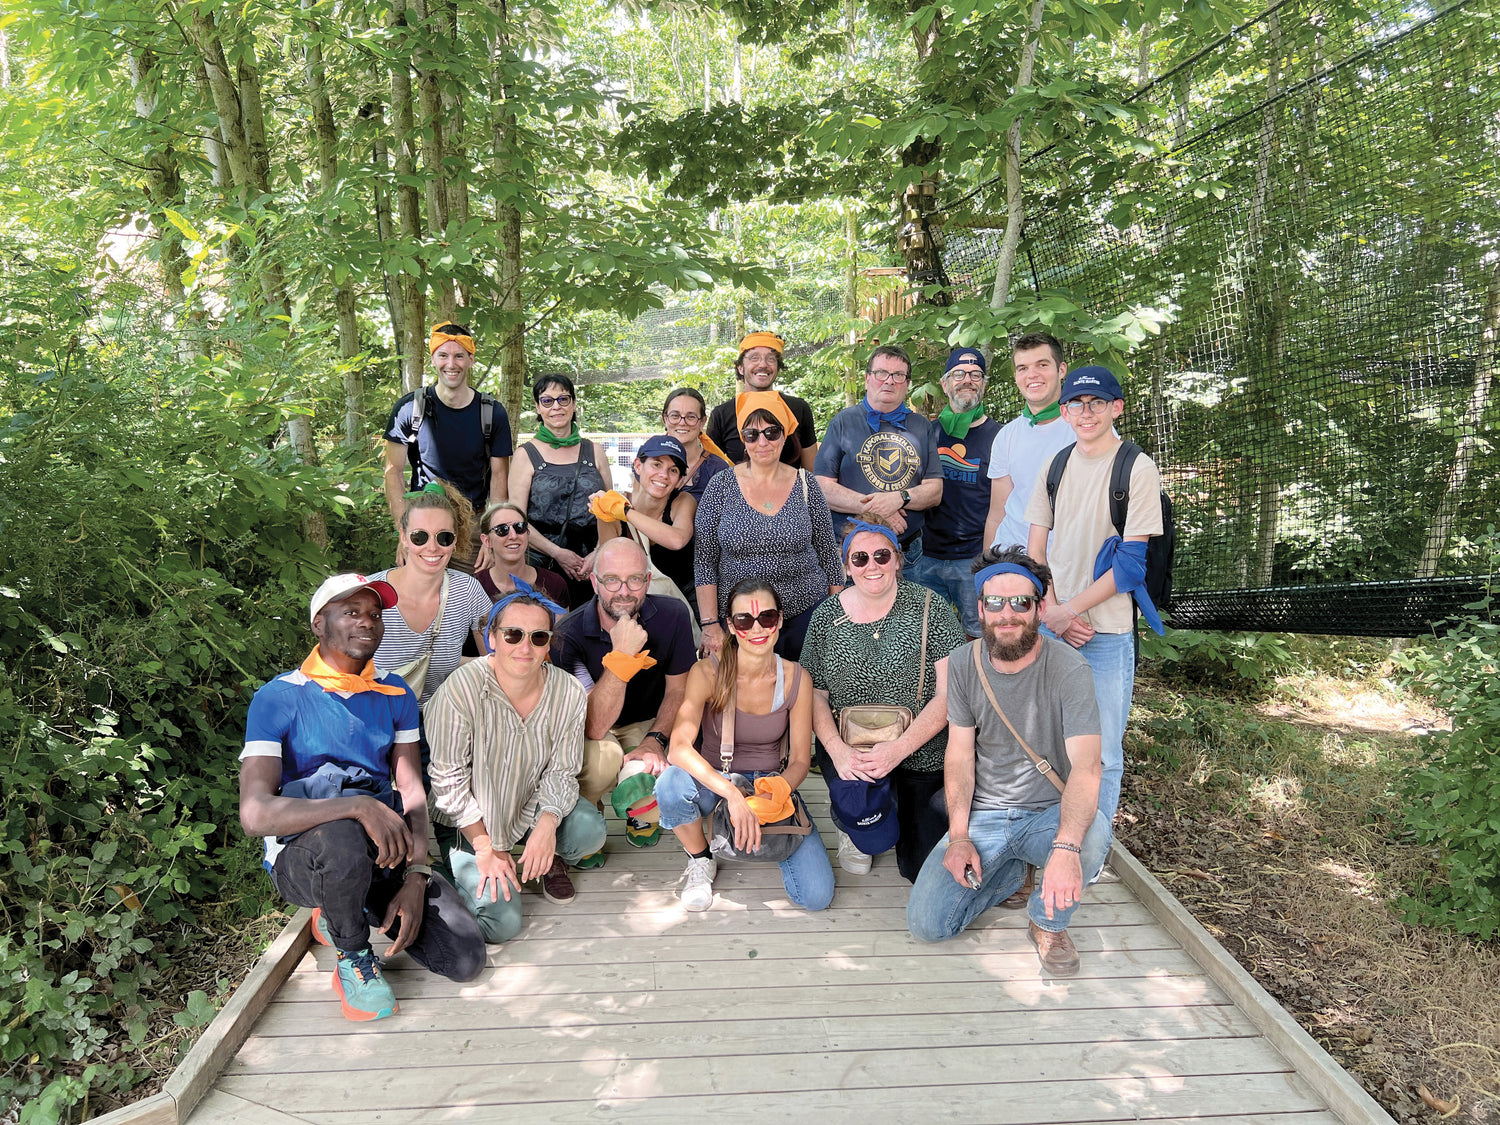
{"x": 862, "y": 725}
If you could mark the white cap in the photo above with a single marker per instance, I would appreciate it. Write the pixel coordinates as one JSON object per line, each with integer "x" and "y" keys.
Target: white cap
{"x": 340, "y": 586}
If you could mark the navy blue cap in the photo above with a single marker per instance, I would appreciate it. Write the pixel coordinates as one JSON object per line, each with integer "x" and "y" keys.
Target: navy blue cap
{"x": 966, "y": 355}
{"x": 662, "y": 445}
{"x": 1097, "y": 381}
{"x": 865, "y": 811}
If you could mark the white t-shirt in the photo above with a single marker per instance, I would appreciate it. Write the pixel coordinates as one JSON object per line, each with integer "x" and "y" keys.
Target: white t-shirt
{"x": 1020, "y": 452}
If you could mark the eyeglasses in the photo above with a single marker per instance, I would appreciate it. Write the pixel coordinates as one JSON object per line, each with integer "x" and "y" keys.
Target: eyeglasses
{"x": 750, "y": 435}
{"x": 540, "y": 638}
{"x": 1021, "y": 603}
{"x": 678, "y": 419}
{"x": 862, "y": 558}
{"x": 613, "y": 582}
{"x": 504, "y": 529}
{"x": 554, "y": 400}
{"x": 1092, "y": 405}
{"x": 420, "y": 536}
{"x": 766, "y": 619}
{"x": 964, "y": 375}
{"x": 890, "y": 376}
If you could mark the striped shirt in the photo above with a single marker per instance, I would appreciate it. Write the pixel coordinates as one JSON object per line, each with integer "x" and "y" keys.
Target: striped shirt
{"x": 467, "y": 609}
{"x": 489, "y": 764}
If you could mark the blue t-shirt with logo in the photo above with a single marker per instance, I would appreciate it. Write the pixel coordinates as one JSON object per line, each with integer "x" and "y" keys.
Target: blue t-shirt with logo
{"x": 955, "y": 528}
{"x": 890, "y": 460}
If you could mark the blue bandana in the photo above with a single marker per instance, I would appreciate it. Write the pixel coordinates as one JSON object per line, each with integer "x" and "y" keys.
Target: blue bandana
{"x": 895, "y": 417}
{"x": 522, "y": 590}
{"x": 1004, "y": 568}
{"x": 872, "y": 528}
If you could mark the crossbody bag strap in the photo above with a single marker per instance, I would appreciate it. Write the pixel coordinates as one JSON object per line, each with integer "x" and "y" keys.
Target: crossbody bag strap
{"x": 726, "y": 735}
{"x": 922, "y": 675}
{"x": 437, "y": 622}
{"x": 1043, "y": 766}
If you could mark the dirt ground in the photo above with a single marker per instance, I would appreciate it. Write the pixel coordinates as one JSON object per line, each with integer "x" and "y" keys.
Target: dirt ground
{"x": 1301, "y": 897}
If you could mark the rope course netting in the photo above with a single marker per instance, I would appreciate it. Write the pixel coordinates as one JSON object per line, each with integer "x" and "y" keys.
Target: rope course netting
{"x": 1321, "y": 236}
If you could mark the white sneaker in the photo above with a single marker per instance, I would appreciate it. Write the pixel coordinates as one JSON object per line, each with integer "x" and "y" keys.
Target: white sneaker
{"x": 698, "y": 893}
{"x": 851, "y": 859}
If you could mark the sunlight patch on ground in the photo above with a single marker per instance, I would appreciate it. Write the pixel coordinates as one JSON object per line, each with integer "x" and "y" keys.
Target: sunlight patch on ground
{"x": 1360, "y": 883}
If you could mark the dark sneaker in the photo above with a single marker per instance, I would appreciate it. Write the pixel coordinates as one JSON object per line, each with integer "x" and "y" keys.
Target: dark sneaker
{"x": 362, "y": 987}
{"x": 1019, "y": 900}
{"x": 556, "y": 886}
{"x": 1058, "y": 954}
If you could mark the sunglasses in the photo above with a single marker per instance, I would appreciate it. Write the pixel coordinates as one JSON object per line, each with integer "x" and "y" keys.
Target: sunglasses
{"x": 540, "y": 638}
{"x": 444, "y": 538}
{"x": 750, "y": 435}
{"x": 554, "y": 400}
{"x": 862, "y": 558}
{"x": 1021, "y": 603}
{"x": 613, "y": 582}
{"x": 766, "y": 619}
{"x": 503, "y": 529}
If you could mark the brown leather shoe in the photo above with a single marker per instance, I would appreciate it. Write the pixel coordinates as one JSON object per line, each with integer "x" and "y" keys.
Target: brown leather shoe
{"x": 556, "y": 886}
{"x": 1019, "y": 900}
{"x": 1058, "y": 954}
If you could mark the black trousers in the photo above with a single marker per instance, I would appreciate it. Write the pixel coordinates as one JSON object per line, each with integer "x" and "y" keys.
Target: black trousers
{"x": 332, "y": 867}
{"x": 921, "y": 811}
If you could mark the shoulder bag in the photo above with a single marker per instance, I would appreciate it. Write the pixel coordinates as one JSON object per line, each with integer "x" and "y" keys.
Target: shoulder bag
{"x": 863, "y": 725}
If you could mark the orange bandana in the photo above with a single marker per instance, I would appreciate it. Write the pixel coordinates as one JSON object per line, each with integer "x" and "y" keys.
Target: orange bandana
{"x": 748, "y": 402}
{"x": 772, "y": 800}
{"x": 331, "y": 679}
{"x": 625, "y": 666}
{"x": 709, "y": 446}
{"x": 438, "y": 339}
{"x": 763, "y": 340}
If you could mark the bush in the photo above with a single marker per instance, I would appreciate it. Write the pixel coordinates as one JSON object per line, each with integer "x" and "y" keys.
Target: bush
{"x": 1234, "y": 662}
{"x": 1452, "y": 801}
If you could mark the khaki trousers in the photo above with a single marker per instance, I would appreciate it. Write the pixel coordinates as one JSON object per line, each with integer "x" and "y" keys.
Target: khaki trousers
{"x": 602, "y": 758}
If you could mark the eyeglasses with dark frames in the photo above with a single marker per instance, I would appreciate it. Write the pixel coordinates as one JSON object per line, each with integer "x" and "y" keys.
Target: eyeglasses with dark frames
{"x": 679, "y": 419}
{"x": 554, "y": 400}
{"x": 1092, "y": 405}
{"x": 766, "y": 619}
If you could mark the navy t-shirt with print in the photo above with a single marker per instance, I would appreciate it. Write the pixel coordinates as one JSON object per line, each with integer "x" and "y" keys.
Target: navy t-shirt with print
{"x": 955, "y": 528}
{"x": 892, "y": 460}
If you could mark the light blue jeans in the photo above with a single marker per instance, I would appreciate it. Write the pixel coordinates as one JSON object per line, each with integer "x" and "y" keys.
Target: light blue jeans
{"x": 1007, "y": 840}
{"x": 1112, "y": 658}
{"x": 807, "y": 875}
{"x": 952, "y": 579}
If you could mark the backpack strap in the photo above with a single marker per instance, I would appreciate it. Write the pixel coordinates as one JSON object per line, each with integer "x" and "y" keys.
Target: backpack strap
{"x": 486, "y": 422}
{"x": 1055, "y": 475}
{"x": 413, "y": 448}
{"x": 1043, "y": 766}
{"x": 1119, "y": 485}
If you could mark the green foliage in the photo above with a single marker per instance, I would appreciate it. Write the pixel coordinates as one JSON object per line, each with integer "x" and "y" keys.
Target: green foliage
{"x": 1452, "y": 802}
{"x": 1235, "y": 662}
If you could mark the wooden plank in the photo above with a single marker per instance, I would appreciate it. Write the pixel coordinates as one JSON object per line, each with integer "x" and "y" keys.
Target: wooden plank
{"x": 395, "y": 1047}
{"x": 195, "y": 1075}
{"x": 158, "y": 1109}
{"x": 1341, "y": 1093}
{"x": 435, "y": 1082}
{"x": 994, "y": 998}
{"x": 220, "y": 1108}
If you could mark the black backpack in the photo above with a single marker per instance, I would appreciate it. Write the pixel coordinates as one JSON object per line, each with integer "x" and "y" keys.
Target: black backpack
{"x": 419, "y": 411}
{"x": 1160, "y": 549}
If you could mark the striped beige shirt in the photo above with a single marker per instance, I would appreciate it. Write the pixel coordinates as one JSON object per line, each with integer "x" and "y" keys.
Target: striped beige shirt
{"x": 489, "y": 763}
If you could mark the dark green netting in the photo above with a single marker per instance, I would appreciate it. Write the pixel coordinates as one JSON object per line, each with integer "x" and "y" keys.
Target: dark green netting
{"x": 1319, "y": 399}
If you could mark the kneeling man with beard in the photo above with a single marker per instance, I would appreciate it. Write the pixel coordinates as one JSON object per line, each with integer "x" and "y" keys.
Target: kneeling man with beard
{"x": 1022, "y": 772}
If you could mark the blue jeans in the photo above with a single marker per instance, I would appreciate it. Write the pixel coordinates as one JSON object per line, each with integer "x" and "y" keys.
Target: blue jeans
{"x": 1007, "y": 840}
{"x": 581, "y": 833}
{"x": 952, "y": 579}
{"x": 807, "y": 875}
{"x": 1112, "y": 658}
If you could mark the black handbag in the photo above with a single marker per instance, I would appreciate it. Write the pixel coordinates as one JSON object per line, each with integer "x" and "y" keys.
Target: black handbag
{"x": 778, "y": 840}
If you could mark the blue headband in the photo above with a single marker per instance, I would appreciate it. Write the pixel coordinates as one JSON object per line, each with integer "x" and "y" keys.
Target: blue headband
{"x": 873, "y": 529}
{"x": 522, "y": 590}
{"x": 1005, "y": 568}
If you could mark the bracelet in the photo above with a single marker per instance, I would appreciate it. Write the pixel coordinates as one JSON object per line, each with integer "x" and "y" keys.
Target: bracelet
{"x": 1059, "y": 846}
{"x": 419, "y": 869}
{"x": 958, "y": 840}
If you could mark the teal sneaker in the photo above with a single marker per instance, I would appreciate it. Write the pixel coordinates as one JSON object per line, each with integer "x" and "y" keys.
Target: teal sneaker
{"x": 320, "y": 928}
{"x": 362, "y": 988}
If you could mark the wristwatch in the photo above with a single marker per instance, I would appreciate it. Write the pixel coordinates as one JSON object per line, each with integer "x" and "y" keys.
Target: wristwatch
{"x": 656, "y": 734}
{"x": 905, "y": 497}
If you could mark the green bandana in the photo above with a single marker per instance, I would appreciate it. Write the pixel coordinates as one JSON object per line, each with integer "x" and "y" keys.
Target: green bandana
{"x": 1045, "y": 414}
{"x": 543, "y": 434}
{"x": 958, "y": 424}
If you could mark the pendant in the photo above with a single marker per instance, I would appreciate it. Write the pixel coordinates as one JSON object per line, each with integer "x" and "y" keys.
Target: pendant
{"x": 876, "y": 634}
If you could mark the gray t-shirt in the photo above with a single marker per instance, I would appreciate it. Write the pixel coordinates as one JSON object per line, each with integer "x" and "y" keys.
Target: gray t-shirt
{"x": 1049, "y": 701}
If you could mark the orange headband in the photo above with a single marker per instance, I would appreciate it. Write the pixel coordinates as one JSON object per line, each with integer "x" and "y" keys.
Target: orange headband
{"x": 749, "y": 402}
{"x": 762, "y": 340}
{"x": 438, "y": 339}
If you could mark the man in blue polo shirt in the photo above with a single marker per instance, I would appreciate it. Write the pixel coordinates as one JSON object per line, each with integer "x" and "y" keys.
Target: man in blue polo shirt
{"x": 954, "y": 535}
{"x": 880, "y": 458}
{"x": 632, "y": 652}
{"x": 323, "y": 745}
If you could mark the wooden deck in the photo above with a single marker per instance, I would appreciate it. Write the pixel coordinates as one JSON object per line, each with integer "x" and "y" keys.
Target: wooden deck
{"x": 623, "y": 1006}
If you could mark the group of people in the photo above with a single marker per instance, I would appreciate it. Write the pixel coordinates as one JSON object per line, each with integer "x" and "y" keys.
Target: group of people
{"x": 938, "y": 615}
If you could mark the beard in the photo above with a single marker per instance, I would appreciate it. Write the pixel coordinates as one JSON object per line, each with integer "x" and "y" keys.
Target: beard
{"x": 622, "y": 604}
{"x": 1009, "y": 651}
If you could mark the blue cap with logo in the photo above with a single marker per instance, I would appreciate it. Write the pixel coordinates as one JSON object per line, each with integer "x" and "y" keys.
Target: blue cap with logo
{"x": 964, "y": 356}
{"x": 1097, "y": 381}
{"x": 865, "y": 812}
{"x": 662, "y": 445}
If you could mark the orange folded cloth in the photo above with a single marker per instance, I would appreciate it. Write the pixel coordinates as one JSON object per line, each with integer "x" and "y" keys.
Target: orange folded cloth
{"x": 331, "y": 679}
{"x": 609, "y": 506}
{"x": 772, "y": 799}
{"x": 625, "y": 666}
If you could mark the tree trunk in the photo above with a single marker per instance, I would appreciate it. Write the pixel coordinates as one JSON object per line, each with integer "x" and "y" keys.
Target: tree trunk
{"x": 510, "y": 299}
{"x": 410, "y": 292}
{"x": 851, "y": 293}
{"x": 1015, "y": 200}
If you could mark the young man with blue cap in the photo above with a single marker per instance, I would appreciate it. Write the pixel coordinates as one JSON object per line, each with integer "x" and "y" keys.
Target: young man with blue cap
{"x": 1021, "y": 772}
{"x": 1095, "y": 570}
{"x": 954, "y": 534}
